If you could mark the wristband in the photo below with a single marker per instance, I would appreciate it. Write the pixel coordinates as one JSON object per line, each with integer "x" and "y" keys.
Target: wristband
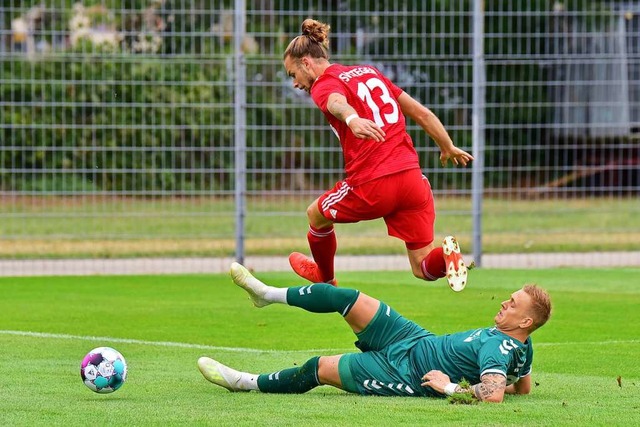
{"x": 450, "y": 388}
{"x": 351, "y": 117}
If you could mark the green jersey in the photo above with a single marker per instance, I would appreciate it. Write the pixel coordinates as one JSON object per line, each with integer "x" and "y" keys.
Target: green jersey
{"x": 397, "y": 352}
{"x": 470, "y": 355}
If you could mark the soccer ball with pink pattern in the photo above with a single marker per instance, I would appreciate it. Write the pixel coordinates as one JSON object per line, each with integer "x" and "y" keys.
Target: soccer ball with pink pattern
{"x": 103, "y": 370}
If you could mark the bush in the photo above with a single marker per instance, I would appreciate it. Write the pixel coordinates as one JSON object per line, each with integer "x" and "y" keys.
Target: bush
{"x": 106, "y": 117}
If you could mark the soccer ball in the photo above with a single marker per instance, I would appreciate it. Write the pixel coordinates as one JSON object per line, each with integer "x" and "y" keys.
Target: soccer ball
{"x": 103, "y": 370}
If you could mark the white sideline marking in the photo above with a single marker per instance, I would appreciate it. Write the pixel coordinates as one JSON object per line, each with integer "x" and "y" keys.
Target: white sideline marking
{"x": 252, "y": 350}
{"x": 160, "y": 343}
{"x": 555, "y": 344}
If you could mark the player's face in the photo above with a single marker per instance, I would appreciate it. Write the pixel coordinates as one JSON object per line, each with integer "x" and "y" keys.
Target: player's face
{"x": 301, "y": 75}
{"x": 514, "y": 312}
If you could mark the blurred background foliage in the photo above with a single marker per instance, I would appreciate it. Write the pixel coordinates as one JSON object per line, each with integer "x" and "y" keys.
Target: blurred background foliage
{"x": 109, "y": 88}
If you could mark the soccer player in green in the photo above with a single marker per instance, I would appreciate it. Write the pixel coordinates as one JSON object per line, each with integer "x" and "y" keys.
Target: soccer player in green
{"x": 398, "y": 358}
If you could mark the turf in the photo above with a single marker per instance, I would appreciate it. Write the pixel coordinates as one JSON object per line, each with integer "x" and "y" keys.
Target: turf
{"x": 162, "y": 324}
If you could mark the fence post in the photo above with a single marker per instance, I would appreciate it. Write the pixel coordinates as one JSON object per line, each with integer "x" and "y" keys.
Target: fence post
{"x": 240, "y": 140}
{"x": 477, "y": 128}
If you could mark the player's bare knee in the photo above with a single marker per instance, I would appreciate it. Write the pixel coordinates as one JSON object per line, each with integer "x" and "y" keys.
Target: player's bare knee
{"x": 416, "y": 269}
{"x": 416, "y": 258}
{"x": 328, "y": 372}
{"x": 312, "y": 212}
{"x": 417, "y": 272}
{"x": 315, "y": 217}
{"x": 362, "y": 312}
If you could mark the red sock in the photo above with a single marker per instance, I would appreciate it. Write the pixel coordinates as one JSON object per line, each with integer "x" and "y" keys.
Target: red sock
{"x": 323, "y": 245}
{"x": 433, "y": 265}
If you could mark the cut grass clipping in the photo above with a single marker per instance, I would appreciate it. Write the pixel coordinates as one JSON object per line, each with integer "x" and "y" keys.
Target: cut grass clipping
{"x": 466, "y": 398}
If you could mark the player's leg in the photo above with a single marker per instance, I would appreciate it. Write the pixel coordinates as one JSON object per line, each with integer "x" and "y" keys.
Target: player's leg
{"x": 374, "y": 370}
{"x": 431, "y": 263}
{"x": 357, "y": 309}
{"x": 342, "y": 204}
{"x": 413, "y": 222}
{"x": 330, "y": 370}
{"x": 364, "y": 373}
{"x": 375, "y": 323}
{"x": 422, "y": 266}
{"x": 322, "y": 243}
{"x": 298, "y": 379}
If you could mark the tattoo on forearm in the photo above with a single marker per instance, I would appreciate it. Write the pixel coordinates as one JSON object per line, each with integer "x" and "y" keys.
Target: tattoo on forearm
{"x": 489, "y": 385}
{"x": 339, "y": 108}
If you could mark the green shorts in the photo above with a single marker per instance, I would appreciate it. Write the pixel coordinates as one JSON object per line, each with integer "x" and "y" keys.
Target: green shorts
{"x": 384, "y": 367}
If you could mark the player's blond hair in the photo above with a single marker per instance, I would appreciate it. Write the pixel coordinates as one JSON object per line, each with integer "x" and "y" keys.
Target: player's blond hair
{"x": 313, "y": 42}
{"x": 540, "y": 305}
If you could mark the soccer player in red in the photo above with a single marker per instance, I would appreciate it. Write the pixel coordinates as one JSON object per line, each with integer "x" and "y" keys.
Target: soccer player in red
{"x": 367, "y": 113}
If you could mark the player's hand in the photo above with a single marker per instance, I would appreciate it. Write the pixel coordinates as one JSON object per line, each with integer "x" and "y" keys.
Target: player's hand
{"x": 435, "y": 379}
{"x": 456, "y": 155}
{"x": 366, "y": 129}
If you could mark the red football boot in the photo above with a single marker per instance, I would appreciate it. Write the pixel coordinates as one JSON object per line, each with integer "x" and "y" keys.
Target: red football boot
{"x": 307, "y": 269}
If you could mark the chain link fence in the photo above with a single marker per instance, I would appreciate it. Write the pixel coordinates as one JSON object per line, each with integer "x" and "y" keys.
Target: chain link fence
{"x": 155, "y": 130}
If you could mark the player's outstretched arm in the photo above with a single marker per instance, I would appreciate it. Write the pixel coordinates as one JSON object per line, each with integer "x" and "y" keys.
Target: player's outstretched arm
{"x": 491, "y": 388}
{"x": 432, "y": 125}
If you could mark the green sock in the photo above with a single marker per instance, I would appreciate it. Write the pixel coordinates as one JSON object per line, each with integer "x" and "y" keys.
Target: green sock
{"x": 322, "y": 298}
{"x": 292, "y": 380}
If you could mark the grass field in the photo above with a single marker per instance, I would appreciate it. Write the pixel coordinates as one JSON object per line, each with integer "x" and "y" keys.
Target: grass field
{"x": 162, "y": 324}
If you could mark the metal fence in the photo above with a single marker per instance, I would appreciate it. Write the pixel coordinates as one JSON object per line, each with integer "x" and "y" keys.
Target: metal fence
{"x": 163, "y": 129}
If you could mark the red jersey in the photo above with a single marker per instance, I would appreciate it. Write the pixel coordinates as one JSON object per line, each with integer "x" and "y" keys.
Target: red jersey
{"x": 374, "y": 97}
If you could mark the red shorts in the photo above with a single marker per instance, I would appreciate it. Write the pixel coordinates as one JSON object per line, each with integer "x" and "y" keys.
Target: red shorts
{"x": 403, "y": 199}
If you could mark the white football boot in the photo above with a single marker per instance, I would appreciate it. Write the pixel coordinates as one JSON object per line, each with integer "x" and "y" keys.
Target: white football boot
{"x": 220, "y": 374}
{"x": 456, "y": 270}
{"x": 254, "y": 287}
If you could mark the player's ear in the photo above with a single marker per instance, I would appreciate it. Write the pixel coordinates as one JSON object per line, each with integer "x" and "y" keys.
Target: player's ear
{"x": 526, "y": 323}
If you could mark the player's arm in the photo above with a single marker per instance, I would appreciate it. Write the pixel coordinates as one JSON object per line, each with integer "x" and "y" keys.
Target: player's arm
{"x": 491, "y": 387}
{"x": 522, "y": 386}
{"x": 432, "y": 125}
{"x": 362, "y": 128}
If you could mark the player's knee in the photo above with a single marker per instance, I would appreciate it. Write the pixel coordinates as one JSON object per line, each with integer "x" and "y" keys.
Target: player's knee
{"x": 315, "y": 217}
{"x": 417, "y": 272}
{"x": 312, "y": 212}
{"x": 328, "y": 372}
{"x": 317, "y": 220}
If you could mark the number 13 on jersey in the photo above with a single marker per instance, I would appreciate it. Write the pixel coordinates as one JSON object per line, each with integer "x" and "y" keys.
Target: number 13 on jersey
{"x": 365, "y": 93}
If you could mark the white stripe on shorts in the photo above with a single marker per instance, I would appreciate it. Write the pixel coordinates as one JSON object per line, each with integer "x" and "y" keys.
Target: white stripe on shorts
{"x": 336, "y": 197}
